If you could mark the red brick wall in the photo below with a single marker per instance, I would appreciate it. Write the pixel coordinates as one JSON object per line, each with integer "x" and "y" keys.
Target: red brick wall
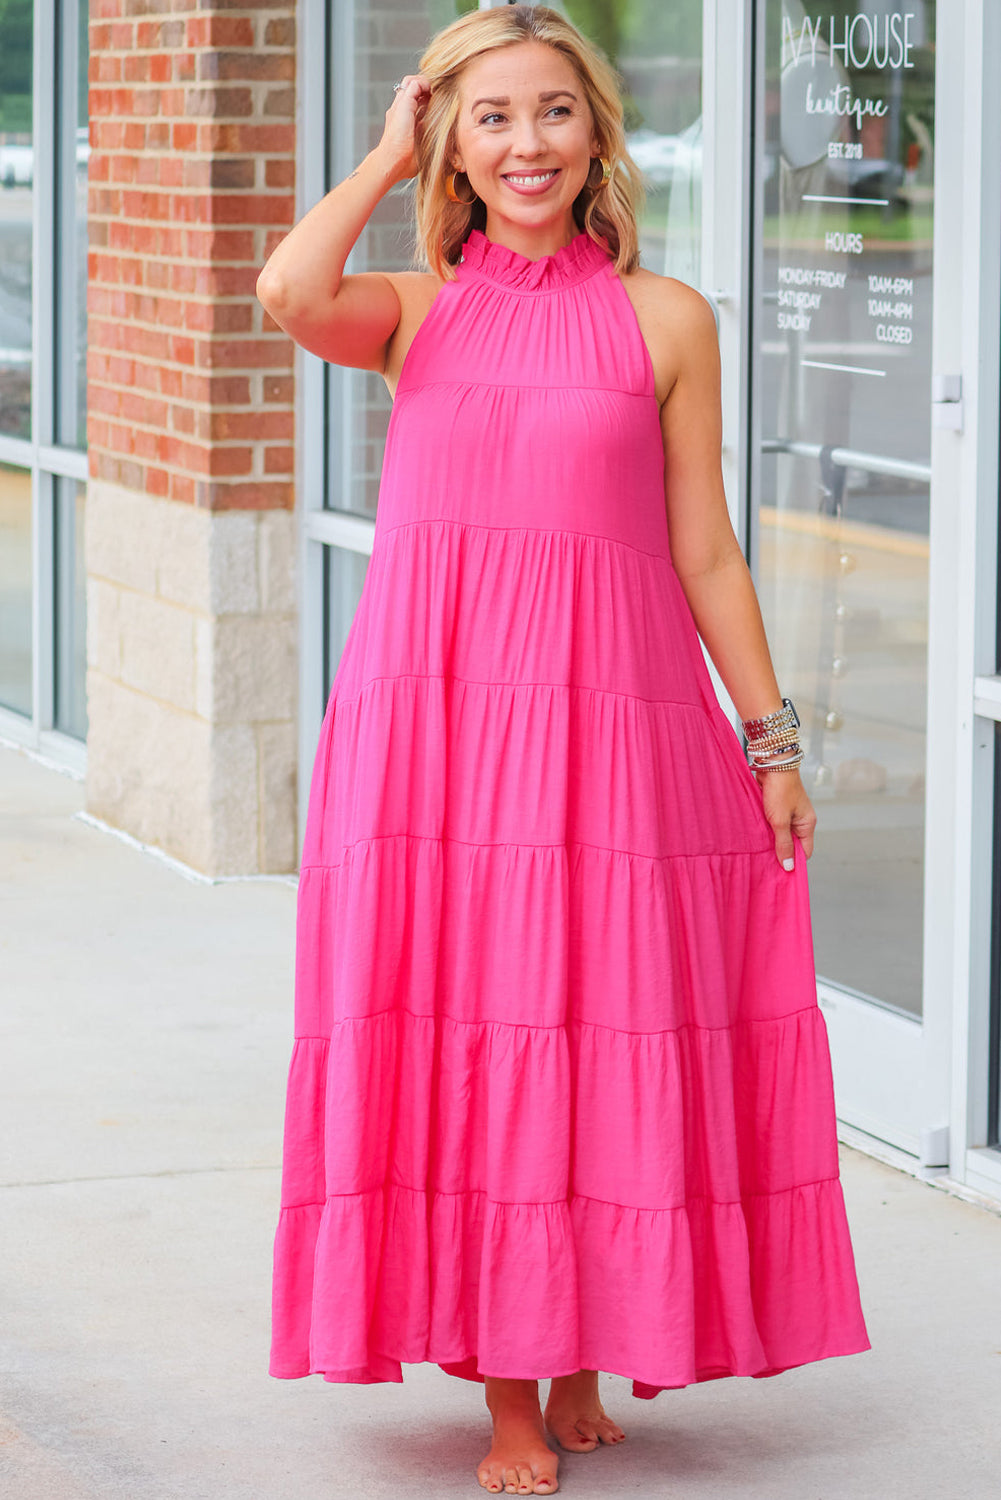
{"x": 190, "y": 391}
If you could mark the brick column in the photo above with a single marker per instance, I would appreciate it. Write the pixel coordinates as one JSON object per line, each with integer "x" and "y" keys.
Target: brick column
{"x": 192, "y": 609}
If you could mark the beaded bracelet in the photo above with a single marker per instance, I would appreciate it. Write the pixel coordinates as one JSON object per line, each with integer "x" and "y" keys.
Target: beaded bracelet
{"x": 785, "y": 717}
{"x": 789, "y": 764}
{"x": 774, "y": 735}
{"x": 782, "y": 752}
{"x": 771, "y": 742}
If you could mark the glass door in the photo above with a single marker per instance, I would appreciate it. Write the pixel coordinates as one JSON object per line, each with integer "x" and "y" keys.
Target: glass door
{"x": 842, "y": 291}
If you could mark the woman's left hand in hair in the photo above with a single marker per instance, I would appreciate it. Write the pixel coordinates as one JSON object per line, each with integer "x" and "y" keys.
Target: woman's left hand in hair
{"x": 789, "y": 811}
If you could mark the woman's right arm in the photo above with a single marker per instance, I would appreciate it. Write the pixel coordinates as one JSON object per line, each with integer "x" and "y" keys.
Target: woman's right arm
{"x": 348, "y": 320}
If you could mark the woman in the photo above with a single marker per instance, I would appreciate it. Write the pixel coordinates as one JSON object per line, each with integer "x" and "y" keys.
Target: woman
{"x": 560, "y": 1096}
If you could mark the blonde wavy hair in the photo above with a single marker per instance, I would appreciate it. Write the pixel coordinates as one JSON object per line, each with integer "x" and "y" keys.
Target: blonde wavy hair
{"x": 608, "y": 214}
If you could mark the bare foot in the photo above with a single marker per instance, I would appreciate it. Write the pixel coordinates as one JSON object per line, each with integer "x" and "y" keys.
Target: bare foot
{"x": 520, "y": 1461}
{"x": 575, "y": 1416}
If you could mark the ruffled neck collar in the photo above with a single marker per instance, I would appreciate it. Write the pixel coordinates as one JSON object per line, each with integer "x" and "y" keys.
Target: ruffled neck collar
{"x": 573, "y": 262}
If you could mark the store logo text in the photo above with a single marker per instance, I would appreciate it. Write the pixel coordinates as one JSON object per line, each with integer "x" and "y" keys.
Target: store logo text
{"x": 859, "y": 41}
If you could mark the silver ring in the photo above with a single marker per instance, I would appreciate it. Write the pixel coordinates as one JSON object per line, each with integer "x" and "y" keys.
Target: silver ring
{"x": 397, "y": 86}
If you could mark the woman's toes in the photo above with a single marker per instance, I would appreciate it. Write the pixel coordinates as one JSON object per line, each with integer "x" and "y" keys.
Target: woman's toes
{"x": 570, "y": 1435}
{"x": 583, "y": 1436}
{"x": 607, "y": 1431}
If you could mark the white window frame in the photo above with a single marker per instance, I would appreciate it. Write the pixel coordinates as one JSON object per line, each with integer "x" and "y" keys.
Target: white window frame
{"x": 44, "y": 459}
{"x": 967, "y": 702}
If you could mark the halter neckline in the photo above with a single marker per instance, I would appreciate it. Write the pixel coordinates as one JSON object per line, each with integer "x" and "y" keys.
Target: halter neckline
{"x": 571, "y": 263}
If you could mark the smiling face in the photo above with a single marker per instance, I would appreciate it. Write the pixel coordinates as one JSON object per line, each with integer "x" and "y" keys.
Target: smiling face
{"x": 525, "y": 139}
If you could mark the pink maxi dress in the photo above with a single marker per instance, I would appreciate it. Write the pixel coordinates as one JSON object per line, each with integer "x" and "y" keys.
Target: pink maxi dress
{"x": 560, "y": 1093}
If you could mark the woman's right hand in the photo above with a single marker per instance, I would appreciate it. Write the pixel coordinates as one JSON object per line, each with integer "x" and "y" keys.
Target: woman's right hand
{"x": 403, "y": 123}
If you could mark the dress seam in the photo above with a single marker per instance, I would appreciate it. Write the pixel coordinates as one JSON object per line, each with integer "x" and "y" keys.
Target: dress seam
{"x": 417, "y": 1015}
{"x": 522, "y": 385}
{"x": 589, "y": 536}
{"x": 574, "y": 687}
{"x": 671, "y": 1208}
{"x": 444, "y": 838}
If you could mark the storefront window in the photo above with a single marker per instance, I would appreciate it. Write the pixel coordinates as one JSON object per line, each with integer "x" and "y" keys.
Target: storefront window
{"x": 43, "y": 187}
{"x": 71, "y": 608}
{"x": 343, "y": 579}
{"x": 844, "y": 329}
{"x": 17, "y": 176}
{"x": 657, "y": 49}
{"x": 994, "y": 1028}
{"x": 73, "y": 150}
{"x": 15, "y": 588}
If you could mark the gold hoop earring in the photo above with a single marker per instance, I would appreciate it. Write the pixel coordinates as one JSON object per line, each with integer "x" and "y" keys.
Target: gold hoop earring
{"x": 451, "y": 193}
{"x": 606, "y": 172}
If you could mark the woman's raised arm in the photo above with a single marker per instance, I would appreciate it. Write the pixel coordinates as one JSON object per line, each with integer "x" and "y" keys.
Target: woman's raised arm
{"x": 348, "y": 320}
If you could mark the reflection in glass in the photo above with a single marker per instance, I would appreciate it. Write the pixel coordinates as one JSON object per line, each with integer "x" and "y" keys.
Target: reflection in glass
{"x": 71, "y": 609}
{"x": 343, "y": 580}
{"x": 993, "y": 1136}
{"x": 71, "y": 238}
{"x": 844, "y": 336}
{"x": 17, "y": 171}
{"x": 383, "y": 45}
{"x": 81, "y": 158}
{"x": 657, "y": 50}
{"x": 15, "y": 589}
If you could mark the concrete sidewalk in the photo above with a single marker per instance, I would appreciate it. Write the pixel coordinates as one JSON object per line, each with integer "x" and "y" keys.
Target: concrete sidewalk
{"x": 146, "y": 1027}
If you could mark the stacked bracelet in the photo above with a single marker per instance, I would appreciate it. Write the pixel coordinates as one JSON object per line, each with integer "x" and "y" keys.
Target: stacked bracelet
{"x": 771, "y": 740}
{"x": 788, "y": 763}
{"x": 768, "y": 744}
{"x": 785, "y": 717}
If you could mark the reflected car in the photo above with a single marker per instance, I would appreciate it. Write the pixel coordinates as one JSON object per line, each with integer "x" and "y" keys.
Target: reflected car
{"x": 17, "y": 163}
{"x": 17, "y": 166}
{"x": 662, "y": 157}
{"x": 871, "y": 177}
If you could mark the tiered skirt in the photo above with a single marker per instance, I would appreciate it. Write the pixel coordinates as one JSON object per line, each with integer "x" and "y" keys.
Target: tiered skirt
{"x": 560, "y": 1094}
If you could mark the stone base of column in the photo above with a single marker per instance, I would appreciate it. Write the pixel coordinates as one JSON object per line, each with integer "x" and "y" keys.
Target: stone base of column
{"x": 192, "y": 679}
